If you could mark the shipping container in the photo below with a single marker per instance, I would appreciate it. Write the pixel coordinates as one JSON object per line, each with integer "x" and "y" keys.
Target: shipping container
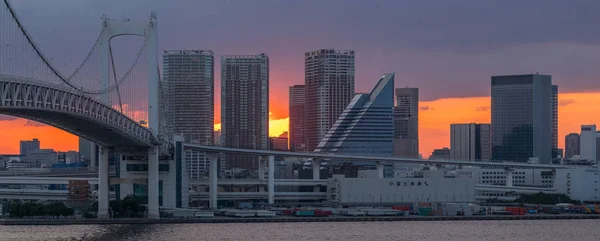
{"x": 323, "y": 213}
{"x": 425, "y": 211}
{"x": 305, "y": 213}
{"x": 402, "y": 208}
{"x": 515, "y": 210}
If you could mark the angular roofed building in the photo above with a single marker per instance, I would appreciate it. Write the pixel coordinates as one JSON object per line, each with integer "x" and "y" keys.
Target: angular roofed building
{"x": 366, "y": 127}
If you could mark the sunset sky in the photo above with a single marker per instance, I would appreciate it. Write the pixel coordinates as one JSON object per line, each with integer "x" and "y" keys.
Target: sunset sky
{"x": 448, "y": 49}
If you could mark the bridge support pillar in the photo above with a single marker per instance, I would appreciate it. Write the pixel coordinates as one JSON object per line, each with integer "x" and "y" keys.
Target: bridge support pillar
{"x": 316, "y": 166}
{"x": 153, "y": 184}
{"x": 509, "y": 176}
{"x": 213, "y": 185}
{"x": 380, "y": 169}
{"x": 271, "y": 180}
{"x": 103, "y": 195}
{"x": 93, "y": 157}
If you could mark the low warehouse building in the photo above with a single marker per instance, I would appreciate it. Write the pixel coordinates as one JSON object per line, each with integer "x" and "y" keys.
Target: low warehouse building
{"x": 359, "y": 191}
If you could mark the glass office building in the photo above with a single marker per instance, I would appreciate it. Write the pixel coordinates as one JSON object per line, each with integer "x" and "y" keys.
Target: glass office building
{"x": 366, "y": 127}
{"x": 522, "y": 117}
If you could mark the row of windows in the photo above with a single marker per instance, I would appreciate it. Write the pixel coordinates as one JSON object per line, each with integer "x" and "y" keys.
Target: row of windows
{"x": 144, "y": 167}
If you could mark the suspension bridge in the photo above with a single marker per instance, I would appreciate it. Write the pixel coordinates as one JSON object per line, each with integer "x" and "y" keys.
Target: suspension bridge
{"x": 119, "y": 113}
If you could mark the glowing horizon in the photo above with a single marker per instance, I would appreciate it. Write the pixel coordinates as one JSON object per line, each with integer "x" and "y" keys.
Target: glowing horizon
{"x": 435, "y": 117}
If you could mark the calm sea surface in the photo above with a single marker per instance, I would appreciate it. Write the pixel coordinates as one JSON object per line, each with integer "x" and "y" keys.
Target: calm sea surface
{"x": 527, "y": 230}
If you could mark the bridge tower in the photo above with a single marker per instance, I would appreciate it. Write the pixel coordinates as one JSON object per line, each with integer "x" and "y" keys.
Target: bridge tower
{"x": 112, "y": 28}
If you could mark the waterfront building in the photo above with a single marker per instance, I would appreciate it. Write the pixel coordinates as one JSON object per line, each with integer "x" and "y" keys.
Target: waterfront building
{"x": 406, "y": 123}
{"x": 244, "y": 107}
{"x": 27, "y": 146}
{"x": 296, "y": 122}
{"x": 521, "y": 114}
{"x": 587, "y": 146}
{"x": 329, "y": 88}
{"x": 470, "y": 142}
{"x": 571, "y": 145}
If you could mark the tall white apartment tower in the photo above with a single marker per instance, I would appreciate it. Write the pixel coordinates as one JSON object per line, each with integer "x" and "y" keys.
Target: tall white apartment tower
{"x": 329, "y": 88}
{"x": 187, "y": 99}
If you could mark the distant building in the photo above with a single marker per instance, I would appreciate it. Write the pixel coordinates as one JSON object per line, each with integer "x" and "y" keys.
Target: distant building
{"x": 406, "y": 123}
{"x": 296, "y": 125}
{"x": 440, "y": 154}
{"x": 41, "y": 157}
{"x": 522, "y": 117}
{"x": 279, "y": 143}
{"x": 588, "y": 138}
{"x": 555, "y": 151}
{"x": 598, "y": 146}
{"x": 244, "y": 107}
{"x": 68, "y": 157}
{"x": 329, "y": 84}
{"x": 27, "y": 147}
{"x": 217, "y": 138}
{"x": 571, "y": 145}
{"x": 470, "y": 142}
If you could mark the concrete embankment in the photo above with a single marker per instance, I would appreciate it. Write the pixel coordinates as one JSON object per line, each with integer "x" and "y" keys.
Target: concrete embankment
{"x": 284, "y": 219}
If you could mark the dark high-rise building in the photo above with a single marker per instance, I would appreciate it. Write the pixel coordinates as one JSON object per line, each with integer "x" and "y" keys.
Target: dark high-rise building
{"x": 329, "y": 86}
{"x": 571, "y": 145}
{"x": 522, "y": 117}
{"x": 406, "y": 123}
{"x": 555, "y": 151}
{"x": 188, "y": 95}
{"x": 244, "y": 107}
{"x": 187, "y": 100}
{"x": 296, "y": 122}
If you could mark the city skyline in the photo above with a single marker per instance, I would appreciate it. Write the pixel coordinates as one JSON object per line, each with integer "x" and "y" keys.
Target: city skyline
{"x": 567, "y": 53}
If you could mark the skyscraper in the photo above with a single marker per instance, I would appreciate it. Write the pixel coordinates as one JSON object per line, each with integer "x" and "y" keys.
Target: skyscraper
{"x": 188, "y": 95}
{"x": 406, "y": 123}
{"x": 587, "y": 144}
{"x": 366, "y": 127}
{"x": 470, "y": 142}
{"x": 187, "y": 98}
{"x": 571, "y": 145}
{"x": 522, "y": 117}
{"x": 27, "y": 147}
{"x": 244, "y": 107}
{"x": 555, "y": 151}
{"x": 296, "y": 125}
{"x": 329, "y": 86}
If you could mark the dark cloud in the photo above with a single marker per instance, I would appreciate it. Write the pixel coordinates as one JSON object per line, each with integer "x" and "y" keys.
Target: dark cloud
{"x": 34, "y": 123}
{"x": 7, "y": 118}
{"x": 425, "y": 108}
{"x": 565, "y": 102}
{"x": 482, "y": 108}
